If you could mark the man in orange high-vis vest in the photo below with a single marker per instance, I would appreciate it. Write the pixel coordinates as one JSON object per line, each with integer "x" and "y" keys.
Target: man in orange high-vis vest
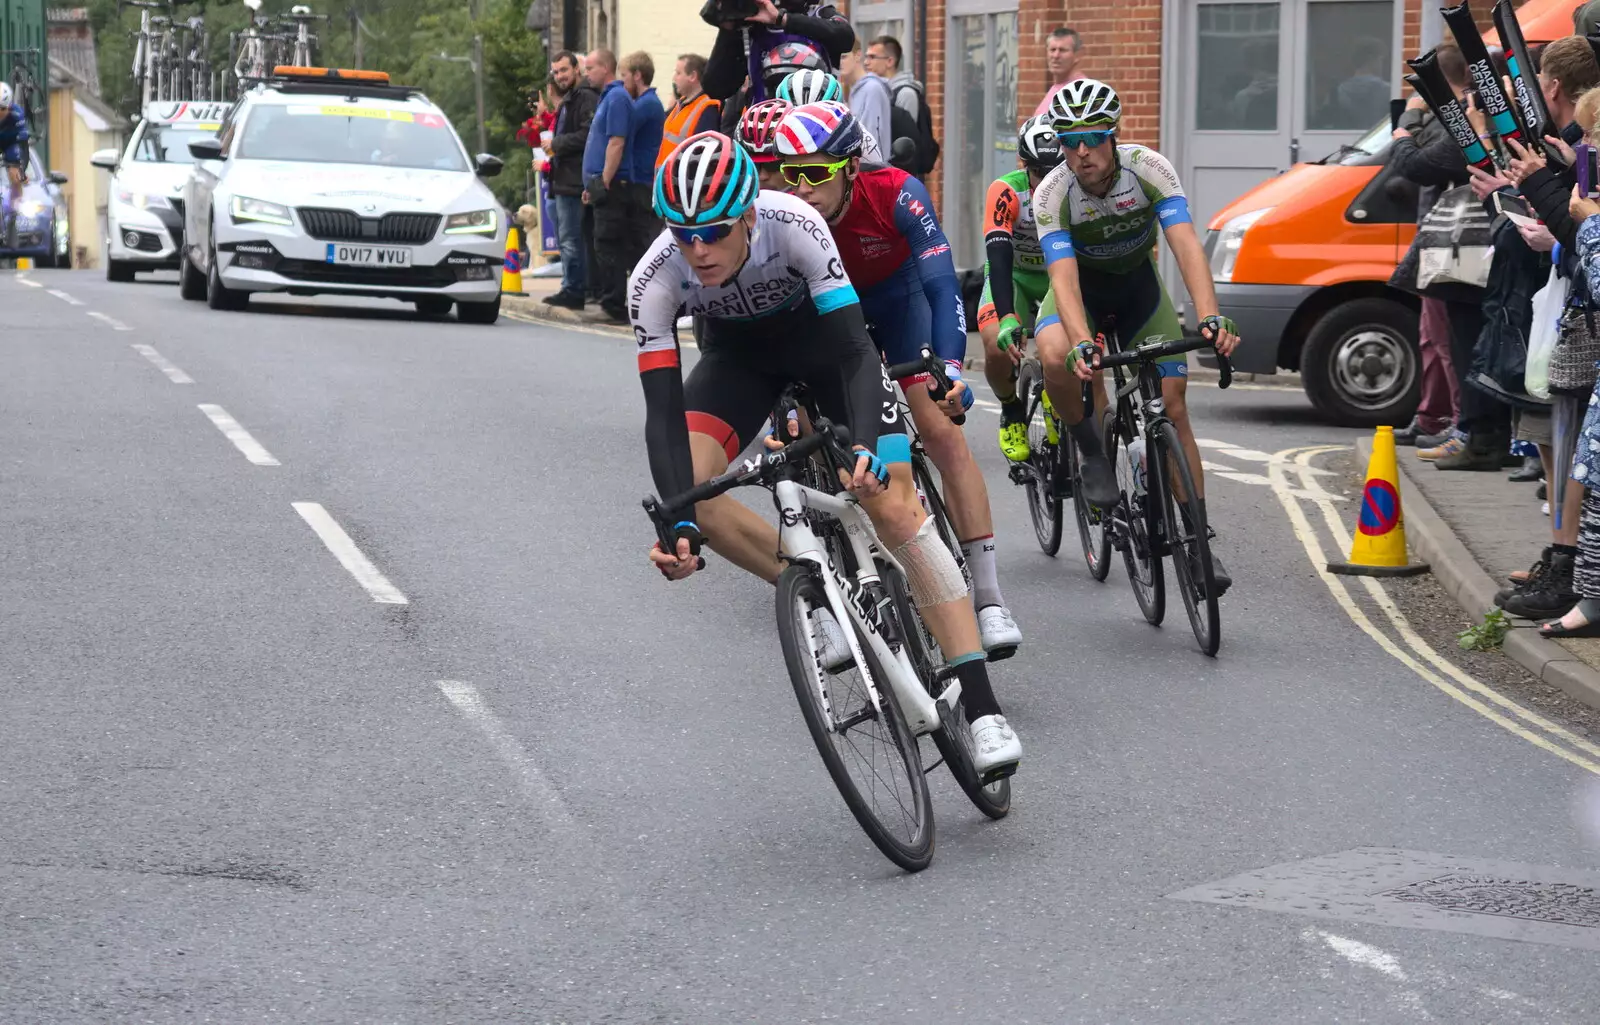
{"x": 695, "y": 112}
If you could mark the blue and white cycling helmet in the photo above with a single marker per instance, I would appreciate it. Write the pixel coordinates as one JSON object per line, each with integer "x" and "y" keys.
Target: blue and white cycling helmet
{"x": 707, "y": 178}
{"x": 827, "y": 128}
{"x": 804, "y": 87}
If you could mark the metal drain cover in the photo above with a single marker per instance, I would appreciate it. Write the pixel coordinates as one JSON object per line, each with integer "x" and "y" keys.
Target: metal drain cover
{"x": 1419, "y": 890}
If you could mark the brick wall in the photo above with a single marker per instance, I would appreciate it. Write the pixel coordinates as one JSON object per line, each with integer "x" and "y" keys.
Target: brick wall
{"x": 1121, "y": 46}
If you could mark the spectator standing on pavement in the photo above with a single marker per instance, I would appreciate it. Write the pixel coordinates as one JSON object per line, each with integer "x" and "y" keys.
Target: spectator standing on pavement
{"x": 694, "y": 112}
{"x": 868, "y": 96}
{"x": 645, "y": 141}
{"x": 1061, "y": 54}
{"x": 606, "y": 169}
{"x": 909, "y": 114}
{"x": 574, "y": 224}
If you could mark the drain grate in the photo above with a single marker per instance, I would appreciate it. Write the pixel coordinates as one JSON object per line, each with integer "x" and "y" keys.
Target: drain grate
{"x": 1564, "y": 903}
{"x": 1422, "y": 890}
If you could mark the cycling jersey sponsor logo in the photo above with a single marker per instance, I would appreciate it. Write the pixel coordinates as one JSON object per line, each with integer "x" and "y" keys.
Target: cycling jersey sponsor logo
{"x": 642, "y": 278}
{"x": 916, "y": 207}
{"x": 923, "y": 214}
{"x": 1003, "y": 211}
{"x": 1061, "y": 245}
{"x": 809, "y": 225}
{"x": 873, "y": 247}
{"x": 835, "y": 269}
{"x": 1126, "y": 204}
{"x": 640, "y": 334}
{"x": 1171, "y": 214}
{"x": 1121, "y": 227}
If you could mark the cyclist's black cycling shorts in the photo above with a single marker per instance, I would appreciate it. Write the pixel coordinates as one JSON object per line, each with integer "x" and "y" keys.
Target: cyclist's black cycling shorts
{"x": 743, "y": 368}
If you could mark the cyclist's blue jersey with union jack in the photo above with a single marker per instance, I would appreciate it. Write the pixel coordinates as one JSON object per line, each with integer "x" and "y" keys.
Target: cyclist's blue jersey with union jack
{"x": 13, "y": 134}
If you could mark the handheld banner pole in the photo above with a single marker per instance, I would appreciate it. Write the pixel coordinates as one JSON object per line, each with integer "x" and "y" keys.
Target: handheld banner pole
{"x": 1535, "y": 114}
{"x": 1502, "y": 121}
{"x": 1431, "y": 83}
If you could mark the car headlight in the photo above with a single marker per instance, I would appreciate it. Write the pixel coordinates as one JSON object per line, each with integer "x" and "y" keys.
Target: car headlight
{"x": 247, "y": 209}
{"x": 478, "y": 222}
{"x": 142, "y": 200}
{"x": 30, "y": 208}
{"x": 1229, "y": 239}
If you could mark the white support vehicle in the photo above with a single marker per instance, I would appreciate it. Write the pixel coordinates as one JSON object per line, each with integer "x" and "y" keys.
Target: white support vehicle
{"x": 144, "y": 214}
{"x": 327, "y": 181}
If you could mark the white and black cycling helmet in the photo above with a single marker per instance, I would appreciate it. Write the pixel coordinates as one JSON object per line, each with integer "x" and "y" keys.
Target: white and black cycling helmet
{"x": 1037, "y": 144}
{"x": 5, "y": 98}
{"x": 810, "y": 86}
{"x": 1085, "y": 105}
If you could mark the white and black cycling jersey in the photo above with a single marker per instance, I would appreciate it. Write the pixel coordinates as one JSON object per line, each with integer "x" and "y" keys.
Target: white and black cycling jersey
{"x": 793, "y": 264}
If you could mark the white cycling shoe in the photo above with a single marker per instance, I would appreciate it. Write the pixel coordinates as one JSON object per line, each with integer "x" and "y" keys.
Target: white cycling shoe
{"x": 995, "y": 746}
{"x": 832, "y": 647}
{"x": 999, "y": 632}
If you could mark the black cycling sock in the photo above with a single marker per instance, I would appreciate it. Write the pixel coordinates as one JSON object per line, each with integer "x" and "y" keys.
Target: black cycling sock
{"x": 976, "y": 693}
{"x": 1087, "y": 434}
{"x": 1012, "y": 411}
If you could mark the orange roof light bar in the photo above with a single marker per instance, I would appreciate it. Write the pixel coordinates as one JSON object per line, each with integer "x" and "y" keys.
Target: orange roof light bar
{"x": 343, "y": 74}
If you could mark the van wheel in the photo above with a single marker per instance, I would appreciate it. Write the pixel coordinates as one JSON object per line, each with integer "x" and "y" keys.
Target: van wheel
{"x": 1362, "y": 365}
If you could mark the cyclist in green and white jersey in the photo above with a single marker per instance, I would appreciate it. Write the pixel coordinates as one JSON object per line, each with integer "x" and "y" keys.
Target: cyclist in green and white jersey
{"x": 1098, "y": 215}
{"x": 1015, "y": 259}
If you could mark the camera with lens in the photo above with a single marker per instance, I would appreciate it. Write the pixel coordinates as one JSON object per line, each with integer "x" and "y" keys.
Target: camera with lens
{"x": 721, "y": 12}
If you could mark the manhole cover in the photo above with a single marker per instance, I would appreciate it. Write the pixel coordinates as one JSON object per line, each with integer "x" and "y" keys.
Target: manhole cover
{"x": 1421, "y": 890}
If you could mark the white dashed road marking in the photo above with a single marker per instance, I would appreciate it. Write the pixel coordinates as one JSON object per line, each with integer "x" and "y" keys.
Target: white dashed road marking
{"x": 173, "y": 373}
{"x": 111, "y": 322}
{"x": 344, "y": 549}
{"x": 64, "y": 297}
{"x": 467, "y": 701}
{"x": 240, "y": 437}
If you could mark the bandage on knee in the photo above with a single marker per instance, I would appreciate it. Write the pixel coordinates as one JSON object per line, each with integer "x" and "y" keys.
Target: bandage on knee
{"x": 930, "y": 568}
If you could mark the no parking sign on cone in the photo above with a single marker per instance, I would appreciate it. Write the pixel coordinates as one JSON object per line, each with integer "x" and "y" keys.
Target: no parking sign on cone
{"x": 1379, "y": 548}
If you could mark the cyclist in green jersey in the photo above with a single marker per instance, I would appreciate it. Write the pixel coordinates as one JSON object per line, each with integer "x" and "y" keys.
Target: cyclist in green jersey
{"x": 1016, "y": 261}
{"x": 1098, "y": 215}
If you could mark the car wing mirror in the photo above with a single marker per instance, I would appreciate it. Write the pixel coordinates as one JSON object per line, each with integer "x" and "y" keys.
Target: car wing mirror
{"x": 208, "y": 148}
{"x": 489, "y": 165}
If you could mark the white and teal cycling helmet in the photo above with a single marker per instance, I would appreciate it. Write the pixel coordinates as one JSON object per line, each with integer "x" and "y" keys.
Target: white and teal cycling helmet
{"x": 1085, "y": 105}
{"x": 809, "y": 86}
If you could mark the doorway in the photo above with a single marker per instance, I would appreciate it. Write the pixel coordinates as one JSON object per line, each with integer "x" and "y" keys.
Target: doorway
{"x": 980, "y": 116}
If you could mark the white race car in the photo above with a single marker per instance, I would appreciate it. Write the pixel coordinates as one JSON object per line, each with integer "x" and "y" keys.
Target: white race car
{"x": 144, "y": 215}
{"x": 323, "y": 181}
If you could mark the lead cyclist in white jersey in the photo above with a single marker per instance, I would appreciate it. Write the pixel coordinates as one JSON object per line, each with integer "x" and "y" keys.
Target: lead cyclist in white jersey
{"x": 1098, "y": 215}
{"x": 762, "y": 270}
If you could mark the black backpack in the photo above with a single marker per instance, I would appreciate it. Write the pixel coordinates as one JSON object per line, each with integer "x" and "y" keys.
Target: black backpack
{"x": 918, "y": 129}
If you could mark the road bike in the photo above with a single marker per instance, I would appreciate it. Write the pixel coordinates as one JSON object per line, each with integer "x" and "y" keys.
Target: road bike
{"x": 865, "y": 732}
{"x": 1150, "y": 520}
{"x": 302, "y": 46}
{"x": 1053, "y": 473}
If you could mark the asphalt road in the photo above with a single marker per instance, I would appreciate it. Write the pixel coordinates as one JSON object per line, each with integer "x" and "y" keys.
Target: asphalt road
{"x": 548, "y": 787}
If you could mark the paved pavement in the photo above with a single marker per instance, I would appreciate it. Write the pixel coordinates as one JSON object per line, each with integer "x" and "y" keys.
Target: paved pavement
{"x": 349, "y": 697}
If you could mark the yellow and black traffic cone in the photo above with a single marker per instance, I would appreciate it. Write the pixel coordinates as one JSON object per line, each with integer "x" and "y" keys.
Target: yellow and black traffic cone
{"x": 1379, "y": 548}
{"x": 511, "y": 276}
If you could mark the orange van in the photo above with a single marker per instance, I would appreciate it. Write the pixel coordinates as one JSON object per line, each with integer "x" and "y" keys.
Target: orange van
{"x": 1302, "y": 263}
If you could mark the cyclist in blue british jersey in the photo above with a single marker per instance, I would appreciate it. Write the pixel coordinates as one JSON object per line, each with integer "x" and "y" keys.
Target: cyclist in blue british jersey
{"x": 899, "y": 259}
{"x": 762, "y": 270}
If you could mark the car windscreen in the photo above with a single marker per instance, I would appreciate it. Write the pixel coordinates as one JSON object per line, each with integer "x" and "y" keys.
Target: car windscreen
{"x": 1371, "y": 145}
{"x": 326, "y": 134}
{"x": 169, "y": 144}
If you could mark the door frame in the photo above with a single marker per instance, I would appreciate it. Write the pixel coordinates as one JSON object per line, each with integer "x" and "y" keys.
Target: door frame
{"x": 889, "y": 10}
{"x": 954, "y": 9}
{"x": 1177, "y": 71}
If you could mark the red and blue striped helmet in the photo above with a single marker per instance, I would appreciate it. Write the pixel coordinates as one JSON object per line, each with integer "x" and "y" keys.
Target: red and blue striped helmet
{"x": 707, "y": 178}
{"x": 758, "y": 128}
{"x": 827, "y": 128}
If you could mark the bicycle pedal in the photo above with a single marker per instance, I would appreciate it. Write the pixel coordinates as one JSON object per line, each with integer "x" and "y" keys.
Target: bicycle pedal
{"x": 998, "y": 773}
{"x": 1019, "y": 474}
{"x": 1002, "y": 653}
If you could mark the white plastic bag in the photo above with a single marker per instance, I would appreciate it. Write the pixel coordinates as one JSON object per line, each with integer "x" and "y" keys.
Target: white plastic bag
{"x": 1548, "y": 303}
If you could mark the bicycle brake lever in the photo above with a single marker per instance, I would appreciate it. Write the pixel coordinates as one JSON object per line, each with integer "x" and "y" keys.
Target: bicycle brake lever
{"x": 1224, "y": 370}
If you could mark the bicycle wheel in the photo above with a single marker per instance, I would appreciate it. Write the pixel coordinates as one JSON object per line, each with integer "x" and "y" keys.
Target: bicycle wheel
{"x": 933, "y": 501}
{"x": 1131, "y": 524}
{"x": 1044, "y": 506}
{"x": 953, "y": 738}
{"x": 1188, "y": 540}
{"x": 1092, "y": 530}
{"x": 867, "y": 747}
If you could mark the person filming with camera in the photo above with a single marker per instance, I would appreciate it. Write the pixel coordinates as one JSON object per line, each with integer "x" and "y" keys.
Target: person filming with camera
{"x": 748, "y": 30}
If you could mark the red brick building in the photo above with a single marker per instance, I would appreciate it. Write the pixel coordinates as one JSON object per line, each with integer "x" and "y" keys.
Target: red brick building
{"x": 1232, "y": 91}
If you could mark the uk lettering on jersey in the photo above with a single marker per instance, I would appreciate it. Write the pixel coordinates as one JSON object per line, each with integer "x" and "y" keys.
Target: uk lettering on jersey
{"x": 793, "y": 261}
{"x": 1116, "y": 231}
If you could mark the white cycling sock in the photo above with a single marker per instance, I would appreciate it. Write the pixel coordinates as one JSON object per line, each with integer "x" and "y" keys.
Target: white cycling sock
{"x": 979, "y": 553}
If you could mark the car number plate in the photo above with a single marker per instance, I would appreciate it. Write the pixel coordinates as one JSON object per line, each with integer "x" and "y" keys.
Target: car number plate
{"x": 368, "y": 256}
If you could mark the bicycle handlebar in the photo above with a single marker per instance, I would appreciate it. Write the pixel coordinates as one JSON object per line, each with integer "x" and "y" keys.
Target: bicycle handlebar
{"x": 825, "y": 433}
{"x": 1158, "y": 350}
{"x": 933, "y": 366}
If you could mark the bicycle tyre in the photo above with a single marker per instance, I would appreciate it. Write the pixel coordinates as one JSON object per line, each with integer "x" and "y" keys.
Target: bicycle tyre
{"x": 797, "y": 588}
{"x": 1144, "y": 568}
{"x": 1092, "y": 532}
{"x": 1044, "y": 506}
{"x": 1199, "y": 596}
{"x": 952, "y": 738}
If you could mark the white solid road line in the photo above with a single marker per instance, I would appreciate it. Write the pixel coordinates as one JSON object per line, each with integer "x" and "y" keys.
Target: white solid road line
{"x": 22, "y": 279}
{"x": 349, "y": 556}
{"x": 110, "y": 321}
{"x": 252, "y": 449}
{"x": 177, "y": 376}
{"x": 467, "y": 701}
{"x": 64, "y": 297}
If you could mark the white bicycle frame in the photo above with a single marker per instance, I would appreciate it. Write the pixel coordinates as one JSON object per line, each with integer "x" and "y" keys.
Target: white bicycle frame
{"x": 799, "y": 543}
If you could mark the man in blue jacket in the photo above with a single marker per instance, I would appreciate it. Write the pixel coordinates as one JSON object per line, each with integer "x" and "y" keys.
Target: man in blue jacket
{"x": 13, "y": 140}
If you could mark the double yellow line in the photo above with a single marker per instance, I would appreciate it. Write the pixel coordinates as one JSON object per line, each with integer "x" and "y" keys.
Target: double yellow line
{"x": 1416, "y": 654}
